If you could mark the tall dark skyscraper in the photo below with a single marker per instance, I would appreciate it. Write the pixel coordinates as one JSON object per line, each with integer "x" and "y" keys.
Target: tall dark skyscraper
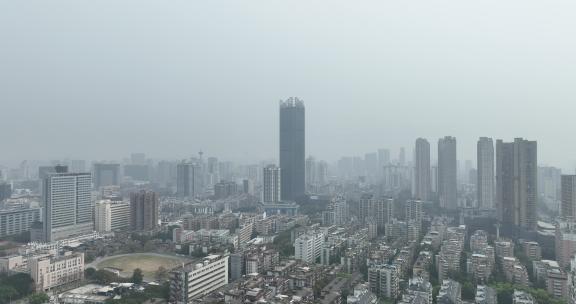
{"x": 144, "y": 210}
{"x": 485, "y": 179}
{"x": 516, "y": 182}
{"x": 421, "y": 189}
{"x": 292, "y": 148}
{"x": 568, "y": 205}
{"x": 447, "y": 173}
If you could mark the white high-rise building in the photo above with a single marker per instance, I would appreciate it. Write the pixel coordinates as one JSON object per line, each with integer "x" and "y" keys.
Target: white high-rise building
{"x": 102, "y": 217}
{"x": 308, "y": 247}
{"x": 68, "y": 205}
{"x": 383, "y": 280}
{"x": 111, "y": 216}
{"x": 340, "y": 211}
{"x": 413, "y": 209}
{"x": 381, "y": 209}
{"x": 193, "y": 281}
{"x": 486, "y": 177}
{"x": 421, "y": 189}
{"x": 272, "y": 184}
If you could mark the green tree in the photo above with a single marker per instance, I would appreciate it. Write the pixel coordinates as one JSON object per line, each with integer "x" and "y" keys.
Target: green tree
{"x": 105, "y": 277}
{"x": 7, "y": 293}
{"x": 38, "y": 298}
{"x": 161, "y": 274}
{"x": 137, "y": 276}
{"x": 90, "y": 273}
{"x": 468, "y": 291}
{"x": 21, "y": 282}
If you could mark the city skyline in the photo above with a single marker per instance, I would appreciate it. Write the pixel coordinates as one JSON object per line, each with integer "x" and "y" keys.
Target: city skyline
{"x": 330, "y": 152}
{"x": 403, "y": 73}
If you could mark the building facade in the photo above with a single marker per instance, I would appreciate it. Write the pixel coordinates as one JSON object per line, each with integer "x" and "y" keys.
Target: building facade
{"x": 485, "y": 179}
{"x": 68, "y": 205}
{"x": 111, "y": 216}
{"x": 188, "y": 180}
{"x": 381, "y": 209}
{"x": 447, "y": 173}
{"x": 16, "y": 221}
{"x": 292, "y": 148}
{"x": 568, "y": 197}
{"x": 421, "y": 189}
{"x": 196, "y": 280}
{"x": 384, "y": 281}
{"x": 516, "y": 183}
{"x": 272, "y": 184}
{"x": 50, "y": 272}
{"x": 308, "y": 247}
{"x": 144, "y": 210}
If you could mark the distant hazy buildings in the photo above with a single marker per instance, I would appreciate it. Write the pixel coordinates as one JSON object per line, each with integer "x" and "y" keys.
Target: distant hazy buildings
{"x": 311, "y": 171}
{"x": 68, "y": 205}
{"x": 371, "y": 164}
{"x": 272, "y": 184}
{"x": 447, "y": 173}
{"x": 144, "y": 210}
{"x": 77, "y": 166}
{"x": 516, "y": 182}
{"x": 402, "y": 156}
{"x": 138, "y": 172}
{"x": 549, "y": 187}
{"x": 5, "y": 191}
{"x": 225, "y": 189}
{"x": 106, "y": 175}
{"x": 568, "y": 205}
{"x": 383, "y": 158}
{"x": 486, "y": 178}
{"x": 188, "y": 179}
{"x": 292, "y": 148}
{"x": 421, "y": 170}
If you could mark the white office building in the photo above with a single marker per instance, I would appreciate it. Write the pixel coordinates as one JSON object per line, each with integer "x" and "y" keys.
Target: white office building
{"x": 308, "y": 247}
{"x": 272, "y": 189}
{"x": 68, "y": 205}
{"x": 193, "y": 281}
{"x": 111, "y": 216}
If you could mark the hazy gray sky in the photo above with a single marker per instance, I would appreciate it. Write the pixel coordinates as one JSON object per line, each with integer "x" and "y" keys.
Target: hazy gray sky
{"x": 101, "y": 79}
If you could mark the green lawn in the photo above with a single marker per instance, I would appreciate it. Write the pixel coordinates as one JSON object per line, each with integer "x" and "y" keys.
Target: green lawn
{"x": 147, "y": 263}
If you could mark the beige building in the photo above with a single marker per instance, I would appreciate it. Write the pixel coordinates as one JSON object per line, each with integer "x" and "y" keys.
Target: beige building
{"x": 10, "y": 263}
{"x": 51, "y": 272}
